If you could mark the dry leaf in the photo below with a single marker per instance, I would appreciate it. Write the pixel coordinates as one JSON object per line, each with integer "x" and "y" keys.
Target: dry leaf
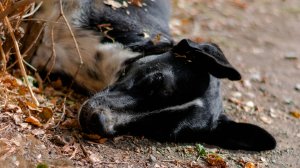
{"x": 23, "y": 90}
{"x": 103, "y": 140}
{"x": 156, "y": 39}
{"x": 70, "y": 123}
{"x": 34, "y": 121}
{"x": 10, "y": 82}
{"x": 138, "y": 3}
{"x": 57, "y": 84}
{"x": 31, "y": 106}
{"x": 240, "y": 4}
{"x": 295, "y": 114}
{"x": 216, "y": 160}
{"x": 94, "y": 137}
{"x": 249, "y": 165}
{"x": 46, "y": 114}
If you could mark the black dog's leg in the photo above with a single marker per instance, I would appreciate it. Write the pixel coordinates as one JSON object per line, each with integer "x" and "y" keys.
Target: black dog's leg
{"x": 232, "y": 135}
{"x": 180, "y": 125}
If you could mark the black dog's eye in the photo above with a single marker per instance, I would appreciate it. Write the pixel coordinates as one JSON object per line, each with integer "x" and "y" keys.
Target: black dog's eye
{"x": 166, "y": 93}
{"x": 157, "y": 85}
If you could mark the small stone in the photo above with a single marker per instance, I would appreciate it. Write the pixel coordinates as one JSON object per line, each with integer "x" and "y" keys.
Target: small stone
{"x": 263, "y": 159}
{"x": 266, "y": 119}
{"x": 247, "y": 84}
{"x": 250, "y": 104}
{"x": 38, "y": 132}
{"x": 273, "y": 113}
{"x": 288, "y": 101}
{"x": 39, "y": 156}
{"x": 237, "y": 94}
{"x": 250, "y": 95}
{"x": 297, "y": 87}
{"x": 256, "y": 77}
{"x": 152, "y": 158}
{"x": 291, "y": 55}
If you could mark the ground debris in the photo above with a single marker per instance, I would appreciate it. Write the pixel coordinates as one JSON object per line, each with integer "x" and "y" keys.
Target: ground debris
{"x": 295, "y": 113}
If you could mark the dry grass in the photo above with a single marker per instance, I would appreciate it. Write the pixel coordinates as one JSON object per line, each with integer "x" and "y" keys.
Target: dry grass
{"x": 12, "y": 31}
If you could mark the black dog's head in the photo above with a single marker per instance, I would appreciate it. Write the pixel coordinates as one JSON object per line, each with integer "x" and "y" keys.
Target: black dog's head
{"x": 172, "y": 96}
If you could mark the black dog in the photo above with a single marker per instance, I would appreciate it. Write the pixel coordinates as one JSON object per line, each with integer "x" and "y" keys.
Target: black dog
{"x": 166, "y": 92}
{"x": 174, "y": 96}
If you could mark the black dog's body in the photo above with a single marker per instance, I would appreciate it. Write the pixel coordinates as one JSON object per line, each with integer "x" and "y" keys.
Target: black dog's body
{"x": 152, "y": 88}
{"x": 174, "y": 96}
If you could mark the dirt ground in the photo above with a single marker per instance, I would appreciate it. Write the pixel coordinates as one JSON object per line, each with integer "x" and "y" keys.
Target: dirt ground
{"x": 259, "y": 37}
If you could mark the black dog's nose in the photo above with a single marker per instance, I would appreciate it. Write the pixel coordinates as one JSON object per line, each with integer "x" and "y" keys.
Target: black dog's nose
{"x": 95, "y": 120}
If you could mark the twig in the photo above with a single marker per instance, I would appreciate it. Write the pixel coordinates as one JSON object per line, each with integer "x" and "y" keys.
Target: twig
{"x": 33, "y": 10}
{"x": 86, "y": 154}
{"x": 39, "y": 81}
{"x": 16, "y": 5}
{"x": 74, "y": 153}
{"x": 63, "y": 114}
{"x": 53, "y": 55}
{"x": 114, "y": 163}
{"x": 3, "y": 57}
{"x": 19, "y": 56}
{"x": 73, "y": 36}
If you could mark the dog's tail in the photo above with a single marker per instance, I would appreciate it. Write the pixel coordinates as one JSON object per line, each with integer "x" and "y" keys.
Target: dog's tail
{"x": 232, "y": 135}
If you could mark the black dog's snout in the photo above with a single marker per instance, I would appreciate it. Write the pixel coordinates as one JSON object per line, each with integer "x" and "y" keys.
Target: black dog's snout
{"x": 99, "y": 123}
{"x": 95, "y": 120}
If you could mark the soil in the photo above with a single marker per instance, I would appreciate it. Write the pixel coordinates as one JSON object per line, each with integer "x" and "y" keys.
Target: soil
{"x": 259, "y": 37}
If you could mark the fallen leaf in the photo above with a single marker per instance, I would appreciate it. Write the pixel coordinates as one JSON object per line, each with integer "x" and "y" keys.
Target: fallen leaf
{"x": 34, "y": 121}
{"x": 31, "y": 106}
{"x": 23, "y": 90}
{"x": 70, "y": 123}
{"x": 57, "y": 84}
{"x": 103, "y": 140}
{"x": 240, "y": 4}
{"x": 10, "y": 82}
{"x": 249, "y": 165}
{"x": 92, "y": 137}
{"x": 46, "y": 114}
{"x": 295, "y": 114}
{"x": 136, "y": 2}
{"x": 215, "y": 160}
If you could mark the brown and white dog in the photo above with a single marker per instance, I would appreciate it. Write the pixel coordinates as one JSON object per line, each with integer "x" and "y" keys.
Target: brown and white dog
{"x": 146, "y": 85}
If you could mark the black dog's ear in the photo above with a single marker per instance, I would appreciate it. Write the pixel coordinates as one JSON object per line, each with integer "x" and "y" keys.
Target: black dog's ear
{"x": 232, "y": 135}
{"x": 208, "y": 56}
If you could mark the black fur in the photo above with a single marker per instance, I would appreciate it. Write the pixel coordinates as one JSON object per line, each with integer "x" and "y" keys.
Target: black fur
{"x": 143, "y": 29}
{"x": 173, "y": 96}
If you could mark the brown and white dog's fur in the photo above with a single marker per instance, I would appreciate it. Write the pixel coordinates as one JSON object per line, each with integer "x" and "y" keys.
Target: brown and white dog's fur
{"x": 146, "y": 85}
{"x": 101, "y": 62}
